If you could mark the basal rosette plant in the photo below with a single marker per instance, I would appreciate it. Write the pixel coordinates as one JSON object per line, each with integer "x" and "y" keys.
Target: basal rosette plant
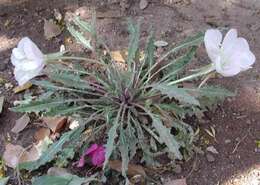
{"x": 136, "y": 108}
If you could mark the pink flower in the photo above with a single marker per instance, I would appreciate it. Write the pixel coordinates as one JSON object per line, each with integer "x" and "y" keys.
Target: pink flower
{"x": 96, "y": 153}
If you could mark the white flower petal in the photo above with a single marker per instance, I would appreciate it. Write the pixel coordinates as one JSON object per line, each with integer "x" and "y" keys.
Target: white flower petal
{"x": 22, "y": 76}
{"x": 227, "y": 70}
{"x": 244, "y": 59}
{"x": 229, "y": 39}
{"x": 31, "y": 50}
{"x": 212, "y": 42}
{"x": 28, "y": 61}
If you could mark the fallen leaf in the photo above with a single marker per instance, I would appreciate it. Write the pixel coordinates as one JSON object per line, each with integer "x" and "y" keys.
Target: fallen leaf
{"x": 2, "y": 169}
{"x": 22, "y": 87}
{"x": 51, "y": 29}
{"x": 212, "y": 149}
{"x": 176, "y": 182}
{"x": 55, "y": 123}
{"x": 12, "y": 155}
{"x": 21, "y": 123}
{"x": 35, "y": 152}
{"x": 160, "y": 43}
{"x": 143, "y": 4}
{"x": 2, "y": 98}
{"x": 117, "y": 56}
{"x": 41, "y": 134}
{"x": 3, "y": 181}
{"x": 31, "y": 155}
{"x": 132, "y": 168}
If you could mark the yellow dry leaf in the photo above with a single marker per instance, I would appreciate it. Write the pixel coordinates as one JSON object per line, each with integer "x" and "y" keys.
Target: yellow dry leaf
{"x": 118, "y": 56}
{"x": 2, "y": 169}
{"x": 22, "y": 88}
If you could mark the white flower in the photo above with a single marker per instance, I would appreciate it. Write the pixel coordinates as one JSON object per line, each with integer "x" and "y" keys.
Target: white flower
{"x": 28, "y": 61}
{"x": 230, "y": 56}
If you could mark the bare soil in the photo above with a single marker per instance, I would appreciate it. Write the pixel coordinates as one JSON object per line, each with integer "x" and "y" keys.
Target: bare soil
{"x": 236, "y": 122}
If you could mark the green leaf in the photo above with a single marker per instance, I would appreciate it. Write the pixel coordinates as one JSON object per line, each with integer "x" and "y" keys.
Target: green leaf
{"x": 172, "y": 107}
{"x": 69, "y": 80}
{"x": 42, "y": 105}
{"x": 150, "y": 48}
{"x": 179, "y": 63}
{"x": 80, "y": 37}
{"x": 65, "y": 110}
{"x": 66, "y": 154}
{"x": 83, "y": 25}
{"x": 52, "y": 86}
{"x": 192, "y": 41}
{"x": 167, "y": 137}
{"x": 177, "y": 93}
{"x": 3, "y": 181}
{"x": 58, "y": 180}
{"x": 211, "y": 91}
{"x": 134, "y": 31}
{"x": 51, "y": 151}
{"x": 124, "y": 150}
{"x": 112, "y": 135}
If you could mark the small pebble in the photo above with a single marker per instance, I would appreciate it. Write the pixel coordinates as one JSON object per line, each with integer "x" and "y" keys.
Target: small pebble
{"x": 257, "y": 150}
{"x": 248, "y": 121}
{"x": 210, "y": 158}
{"x": 227, "y": 141}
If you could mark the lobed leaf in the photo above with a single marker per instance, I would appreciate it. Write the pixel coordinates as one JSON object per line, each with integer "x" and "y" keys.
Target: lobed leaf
{"x": 41, "y": 105}
{"x": 134, "y": 31}
{"x": 167, "y": 137}
{"x": 211, "y": 91}
{"x": 58, "y": 180}
{"x": 51, "y": 152}
{"x": 80, "y": 37}
{"x": 177, "y": 93}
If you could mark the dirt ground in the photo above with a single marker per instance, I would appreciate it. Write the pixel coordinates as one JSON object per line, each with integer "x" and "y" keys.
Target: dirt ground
{"x": 236, "y": 122}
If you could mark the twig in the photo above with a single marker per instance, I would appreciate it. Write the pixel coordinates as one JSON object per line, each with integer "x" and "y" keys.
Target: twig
{"x": 238, "y": 143}
{"x": 193, "y": 166}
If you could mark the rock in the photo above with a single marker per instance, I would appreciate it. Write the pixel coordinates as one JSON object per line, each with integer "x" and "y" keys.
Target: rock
{"x": 227, "y": 141}
{"x": 143, "y": 4}
{"x": 210, "y": 158}
{"x": 212, "y": 149}
{"x": 248, "y": 121}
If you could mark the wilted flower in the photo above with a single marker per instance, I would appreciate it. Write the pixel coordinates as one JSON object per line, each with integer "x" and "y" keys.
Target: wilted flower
{"x": 28, "y": 61}
{"x": 96, "y": 153}
{"x": 230, "y": 56}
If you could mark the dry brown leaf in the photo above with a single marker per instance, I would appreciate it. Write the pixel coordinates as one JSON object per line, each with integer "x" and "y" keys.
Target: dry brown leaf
{"x": 12, "y": 155}
{"x": 143, "y": 4}
{"x": 31, "y": 155}
{"x": 55, "y": 123}
{"x": 41, "y": 134}
{"x": 21, "y": 123}
{"x": 51, "y": 29}
{"x": 117, "y": 56}
{"x": 22, "y": 88}
{"x": 132, "y": 168}
{"x": 176, "y": 182}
